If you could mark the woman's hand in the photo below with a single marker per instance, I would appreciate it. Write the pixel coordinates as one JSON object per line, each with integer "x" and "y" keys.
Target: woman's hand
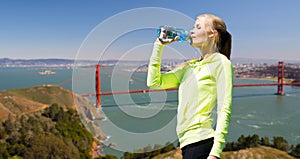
{"x": 212, "y": 157}
{"x": 161, "y": 39}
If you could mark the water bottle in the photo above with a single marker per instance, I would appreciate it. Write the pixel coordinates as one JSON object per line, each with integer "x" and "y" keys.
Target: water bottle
{"x": 172, "y": 32}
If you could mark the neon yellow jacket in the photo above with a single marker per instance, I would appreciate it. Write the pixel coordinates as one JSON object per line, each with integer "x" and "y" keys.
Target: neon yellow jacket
{"x": 201, "y": 86}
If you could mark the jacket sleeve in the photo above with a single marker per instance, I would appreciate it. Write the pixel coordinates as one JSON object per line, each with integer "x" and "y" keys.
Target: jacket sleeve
{"x": 155, "y": 79}
{"x": 224, "y": 81}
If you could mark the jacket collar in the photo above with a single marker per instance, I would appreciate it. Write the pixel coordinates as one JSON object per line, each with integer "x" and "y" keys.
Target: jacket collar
{"x": 212, "y": 58}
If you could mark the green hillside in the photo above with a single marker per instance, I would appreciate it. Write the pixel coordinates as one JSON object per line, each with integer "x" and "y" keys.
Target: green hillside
{"x": 261, "y": 152}
{"x": 45, "y": 94}
{"x": 50, "y": 133}
{"x": 17, "y": 102}
{"x": 42, "y": 122}
{"x": 22, "y": 101}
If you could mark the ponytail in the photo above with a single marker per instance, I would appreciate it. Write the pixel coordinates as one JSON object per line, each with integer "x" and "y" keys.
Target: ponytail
{"x": 224, "y": 43}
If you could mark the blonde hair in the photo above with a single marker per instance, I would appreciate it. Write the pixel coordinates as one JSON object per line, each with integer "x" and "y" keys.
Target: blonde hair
{"x": 224, "y": 39}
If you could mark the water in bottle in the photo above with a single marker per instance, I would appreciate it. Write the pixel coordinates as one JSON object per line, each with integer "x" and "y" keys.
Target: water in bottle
{"x": 172, "y": 32}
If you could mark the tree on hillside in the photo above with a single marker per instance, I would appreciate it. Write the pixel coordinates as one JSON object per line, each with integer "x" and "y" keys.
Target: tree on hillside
{"x": 148, "y": 152}
{"x": 249, "y": 141}
{"x": 156, "y": 150}
{"x": 265, "y": 141}
{"x": 3, "y": 150}
{"x": 231, "y": 146}
{"x": 50, "y": 146}
{"x": 52, "y": 111}
{"x": 254, "y": 141}
{"x": 168, "y": 147}
{"x": 296, "y": 151}
{"x": 9, "y": 124}
{"x": 280, "y": 143}
{"x": 3, "y": 133}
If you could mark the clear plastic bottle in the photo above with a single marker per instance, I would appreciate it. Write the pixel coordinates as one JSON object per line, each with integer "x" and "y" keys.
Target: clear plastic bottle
{"x": 172, "y": 32}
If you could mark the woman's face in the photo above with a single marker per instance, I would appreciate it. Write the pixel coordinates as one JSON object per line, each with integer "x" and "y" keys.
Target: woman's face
{"x": 198, "y": 34}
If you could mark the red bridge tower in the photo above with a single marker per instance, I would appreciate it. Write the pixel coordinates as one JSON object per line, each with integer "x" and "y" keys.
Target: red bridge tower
{"x": 280, "y": 80}
{"x": 98, "y": 86}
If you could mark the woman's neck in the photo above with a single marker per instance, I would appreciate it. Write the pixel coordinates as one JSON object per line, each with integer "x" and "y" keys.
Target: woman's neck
{"x": 204, "y": 56}
{"x": 207, "y": 52}
{"x": 208, "y": 48}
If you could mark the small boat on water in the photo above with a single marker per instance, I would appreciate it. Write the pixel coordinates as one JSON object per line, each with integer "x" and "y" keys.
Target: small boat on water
{"x": 47, "y": 72}
{"x": 111, "y": 145}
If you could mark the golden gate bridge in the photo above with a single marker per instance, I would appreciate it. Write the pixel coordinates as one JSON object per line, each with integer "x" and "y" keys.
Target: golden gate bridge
{"x": 98, "y": 93}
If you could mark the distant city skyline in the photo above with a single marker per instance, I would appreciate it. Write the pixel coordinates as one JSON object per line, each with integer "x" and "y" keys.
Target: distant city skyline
{"x": 57, "y": 29}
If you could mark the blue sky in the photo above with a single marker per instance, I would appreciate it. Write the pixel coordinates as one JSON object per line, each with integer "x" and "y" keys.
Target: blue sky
{"x": 266, "y": 29}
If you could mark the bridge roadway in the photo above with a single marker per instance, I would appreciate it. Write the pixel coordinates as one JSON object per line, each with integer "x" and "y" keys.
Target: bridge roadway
{"x": 174, "y": 89}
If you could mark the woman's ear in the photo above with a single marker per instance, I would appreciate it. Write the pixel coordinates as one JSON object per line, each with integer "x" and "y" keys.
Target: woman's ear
{"x": 214, "y": 34}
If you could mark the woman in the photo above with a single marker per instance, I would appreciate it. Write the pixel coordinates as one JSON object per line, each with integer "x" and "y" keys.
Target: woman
{"x": 202, "y": 84}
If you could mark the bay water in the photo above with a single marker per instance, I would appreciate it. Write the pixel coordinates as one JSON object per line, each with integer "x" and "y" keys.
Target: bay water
{"x": 255, "y": 110}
